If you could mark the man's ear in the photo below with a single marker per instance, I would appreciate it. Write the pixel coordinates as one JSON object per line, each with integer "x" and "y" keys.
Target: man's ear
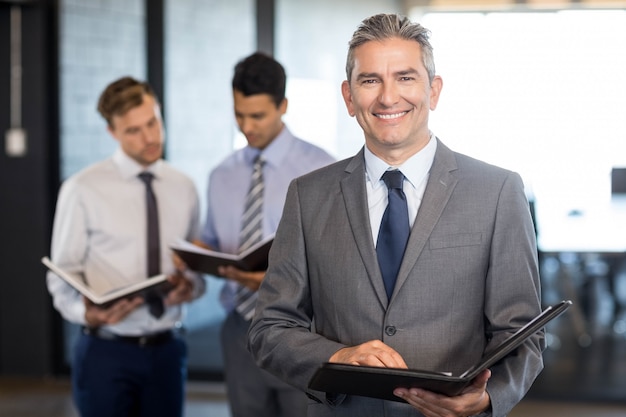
{"x": 435, "y": 91}
{"x": 112, "y": 132}
{"x": 347, "y": 97}
{"x": 282, "y": 107}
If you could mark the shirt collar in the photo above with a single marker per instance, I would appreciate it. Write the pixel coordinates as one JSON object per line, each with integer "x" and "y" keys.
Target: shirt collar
{"x": 414, "y": 169}
{"x": 130, "y": 168}
{"x": 275, "y": 152}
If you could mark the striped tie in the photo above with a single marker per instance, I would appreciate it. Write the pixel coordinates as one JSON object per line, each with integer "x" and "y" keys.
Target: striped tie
{"x": 251, "y": 233}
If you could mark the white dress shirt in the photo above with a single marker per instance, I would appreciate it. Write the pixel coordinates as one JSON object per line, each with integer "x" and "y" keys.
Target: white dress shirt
{"x": 415, "y": 170}
{"x": 100, "y": 232}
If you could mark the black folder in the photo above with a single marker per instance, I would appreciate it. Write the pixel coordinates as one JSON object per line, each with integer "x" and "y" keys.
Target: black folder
{"x": 207, "y": 261}
{"x": 378, "y": 382}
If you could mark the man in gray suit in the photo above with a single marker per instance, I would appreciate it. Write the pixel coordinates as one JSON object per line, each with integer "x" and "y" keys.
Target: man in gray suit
{"x": 468, "y": 277}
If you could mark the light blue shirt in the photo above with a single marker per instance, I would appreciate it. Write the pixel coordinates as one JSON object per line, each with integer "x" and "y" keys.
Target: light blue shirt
{"x": 415, "y": 170}
{"x": 286, "y": 158}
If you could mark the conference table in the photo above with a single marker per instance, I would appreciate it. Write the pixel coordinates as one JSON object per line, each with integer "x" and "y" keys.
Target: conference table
{"x": 583, "y": 232}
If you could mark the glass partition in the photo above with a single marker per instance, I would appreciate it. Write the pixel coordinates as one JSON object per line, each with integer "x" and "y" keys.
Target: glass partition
{"x": 203, "y": 43}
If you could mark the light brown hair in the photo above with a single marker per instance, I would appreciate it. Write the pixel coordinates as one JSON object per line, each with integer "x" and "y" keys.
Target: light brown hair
{"x": 122, "y": 95}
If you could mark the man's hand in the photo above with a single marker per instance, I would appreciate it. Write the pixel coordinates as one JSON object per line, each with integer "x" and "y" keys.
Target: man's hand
{"x": 182, "y": 289}
{"x": 372, "y": 353}
{"x": 179, "y": 263}
{"x": 472, "y": 400}
{"x": 251, "y": 280}
{"x": 96, "y": 316}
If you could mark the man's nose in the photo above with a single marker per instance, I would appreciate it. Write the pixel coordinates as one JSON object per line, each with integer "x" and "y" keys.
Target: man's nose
{"x": 150, "y": 135}
{"x": 246, "y": 125}
{"x": 389, "y": 94}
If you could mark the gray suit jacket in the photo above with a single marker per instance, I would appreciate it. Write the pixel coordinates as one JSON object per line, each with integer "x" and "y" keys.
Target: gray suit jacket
{"x": 468, "y": 280}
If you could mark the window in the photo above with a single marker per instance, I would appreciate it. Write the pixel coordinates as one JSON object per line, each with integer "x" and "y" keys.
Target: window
{"x": 540, "y": 93}
{"x": 202, "y": 45}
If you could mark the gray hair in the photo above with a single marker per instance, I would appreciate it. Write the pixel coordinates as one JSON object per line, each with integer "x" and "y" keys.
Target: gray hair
{"x": 386, "y": 26}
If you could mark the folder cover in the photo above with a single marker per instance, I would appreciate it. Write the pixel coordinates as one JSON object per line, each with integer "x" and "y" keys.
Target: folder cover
{"x": 379, "y": 382}
{"x": 157, "y": 283}
{"x": 207, "y": 261}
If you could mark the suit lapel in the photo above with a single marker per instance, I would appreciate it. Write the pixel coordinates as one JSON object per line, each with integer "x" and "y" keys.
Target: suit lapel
{"x": 441, "y": 183}
{"x": 355, "y": 199}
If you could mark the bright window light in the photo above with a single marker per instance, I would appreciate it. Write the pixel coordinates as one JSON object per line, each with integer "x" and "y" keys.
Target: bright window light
{"x": 543, "y": 94}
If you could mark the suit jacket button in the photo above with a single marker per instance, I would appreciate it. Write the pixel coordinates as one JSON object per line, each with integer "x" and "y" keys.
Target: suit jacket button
{"x": 390, "y": 330}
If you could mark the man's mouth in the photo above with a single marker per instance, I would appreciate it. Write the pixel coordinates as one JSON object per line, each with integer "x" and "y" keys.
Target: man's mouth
{"x": 390, "y": 116}
{"x": 153, "y": 148}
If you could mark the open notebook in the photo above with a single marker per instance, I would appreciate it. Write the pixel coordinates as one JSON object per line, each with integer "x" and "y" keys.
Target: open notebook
{"x": 207, "y": 261}
{"x": 156, "y": 283}
{"x": 378, "y": 382}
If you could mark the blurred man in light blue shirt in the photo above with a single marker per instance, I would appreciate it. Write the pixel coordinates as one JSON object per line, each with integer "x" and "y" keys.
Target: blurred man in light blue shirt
{"x": 259, "y": 104}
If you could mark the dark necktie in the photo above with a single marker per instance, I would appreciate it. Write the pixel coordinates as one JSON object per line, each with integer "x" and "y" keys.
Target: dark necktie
{"x": 394, "y": 230}
{"x": 153, "y": 299}
{"x": 251, "y": 233}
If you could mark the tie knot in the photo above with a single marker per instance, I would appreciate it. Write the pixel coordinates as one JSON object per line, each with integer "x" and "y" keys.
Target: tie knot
{"x": 393, "y": 179}
{"x": 258, "y": 162}
{"x": 146, "y": 177}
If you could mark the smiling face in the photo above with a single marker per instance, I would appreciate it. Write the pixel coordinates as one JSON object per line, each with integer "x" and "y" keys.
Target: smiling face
{"x": 391, "y": 97}
{"x": 140, "y": 131}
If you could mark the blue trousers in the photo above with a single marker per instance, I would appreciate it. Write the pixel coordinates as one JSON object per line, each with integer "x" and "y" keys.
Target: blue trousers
{"x": 112, "y": 378}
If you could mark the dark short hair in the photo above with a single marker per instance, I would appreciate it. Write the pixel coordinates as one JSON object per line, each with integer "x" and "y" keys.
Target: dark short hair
{"x": 260, "y": 74}
{"x": 381, "y": 27}
{"x": 122, "y": 95}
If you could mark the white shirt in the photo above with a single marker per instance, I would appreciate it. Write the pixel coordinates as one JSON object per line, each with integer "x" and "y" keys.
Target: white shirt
{"x": 416, "y": 170}
{"x": 100, "y": 231}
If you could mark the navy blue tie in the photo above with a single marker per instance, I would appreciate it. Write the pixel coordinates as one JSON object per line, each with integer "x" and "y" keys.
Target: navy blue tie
{"x": 394, "y": 231}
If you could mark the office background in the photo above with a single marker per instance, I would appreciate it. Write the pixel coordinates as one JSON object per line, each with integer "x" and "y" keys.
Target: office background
{"x": 535, "y": 86}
